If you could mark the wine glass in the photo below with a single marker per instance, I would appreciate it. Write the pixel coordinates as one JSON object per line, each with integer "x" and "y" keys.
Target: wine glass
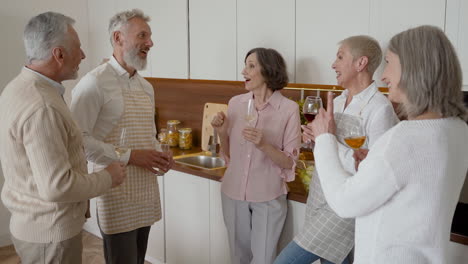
{"x": 121, "y": 147}
{"x": 355, "y": 135}
{"x": 250, "y": 112}
{"x": 310, "y": 109}
{"x": 165, "y": 148}
{"x": 250, "y": 115}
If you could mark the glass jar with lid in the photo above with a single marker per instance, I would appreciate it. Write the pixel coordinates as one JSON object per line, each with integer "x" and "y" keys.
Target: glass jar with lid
{"x": 185, "y": 138}
{"x": 162, "y": 136}
{"x": 172, "y": 137}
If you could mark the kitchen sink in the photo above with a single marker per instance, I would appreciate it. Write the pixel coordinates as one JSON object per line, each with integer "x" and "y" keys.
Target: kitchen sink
{"x": 201, "y": 161}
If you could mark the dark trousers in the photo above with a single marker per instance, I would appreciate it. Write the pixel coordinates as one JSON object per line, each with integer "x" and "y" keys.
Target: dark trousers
{"x": 126, "y": 248}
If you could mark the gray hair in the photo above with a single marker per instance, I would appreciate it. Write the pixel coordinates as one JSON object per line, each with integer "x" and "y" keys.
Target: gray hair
{"x": 45, "y": 32}
{"x": 365, "y": 46}
{"x": 121, "y": 19}
{"x": 431, "y": 76}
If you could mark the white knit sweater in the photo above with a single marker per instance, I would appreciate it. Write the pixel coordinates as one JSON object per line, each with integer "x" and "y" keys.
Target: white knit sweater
{"x": 405, "y": 192}
{"x": 46, "y": 184}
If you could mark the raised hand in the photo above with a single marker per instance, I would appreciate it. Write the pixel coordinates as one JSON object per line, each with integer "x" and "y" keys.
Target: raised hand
{"x": 324, "y": 122}
{"x": 219, "y": 123}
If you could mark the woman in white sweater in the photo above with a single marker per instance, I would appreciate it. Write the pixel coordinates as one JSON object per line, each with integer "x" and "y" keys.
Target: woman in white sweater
{"x": 405, "y": 191}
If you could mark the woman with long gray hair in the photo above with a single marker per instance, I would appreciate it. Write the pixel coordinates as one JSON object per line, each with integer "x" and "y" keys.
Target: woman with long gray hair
{"x": 404, "y": 193}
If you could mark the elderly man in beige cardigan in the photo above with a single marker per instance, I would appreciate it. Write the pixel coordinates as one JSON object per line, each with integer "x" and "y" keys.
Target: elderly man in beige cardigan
{"x": 46, "y": 183}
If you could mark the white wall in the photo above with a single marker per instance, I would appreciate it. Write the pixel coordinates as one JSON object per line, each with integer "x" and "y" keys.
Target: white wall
{"x": 13, "y": 17}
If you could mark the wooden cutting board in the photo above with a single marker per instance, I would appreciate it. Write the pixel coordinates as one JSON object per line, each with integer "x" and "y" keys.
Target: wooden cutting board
{"x": 210, "y": 110}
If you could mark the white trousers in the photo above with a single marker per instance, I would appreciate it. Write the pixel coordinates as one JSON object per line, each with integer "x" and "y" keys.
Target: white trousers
{"x": 254, "y": 229}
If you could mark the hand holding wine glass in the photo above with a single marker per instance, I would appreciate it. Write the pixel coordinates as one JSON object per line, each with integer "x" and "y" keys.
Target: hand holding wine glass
{"x": 250, "y": 112}
{"x": 355, "y": 135}
{"x": 121, "y": 147}
{"x": 163, "y": 148}
{"x": 310, "y": 109}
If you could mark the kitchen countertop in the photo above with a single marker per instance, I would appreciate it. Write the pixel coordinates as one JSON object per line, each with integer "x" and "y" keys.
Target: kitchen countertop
{"x": 298, "y": 193}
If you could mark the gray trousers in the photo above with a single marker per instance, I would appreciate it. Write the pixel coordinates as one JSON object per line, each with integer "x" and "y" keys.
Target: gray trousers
{"x": 254, "y": 229}
{"x": 67, "y": 251}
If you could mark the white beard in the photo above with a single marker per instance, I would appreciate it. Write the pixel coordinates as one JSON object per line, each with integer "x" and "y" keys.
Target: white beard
{"x": 132, "y": 59}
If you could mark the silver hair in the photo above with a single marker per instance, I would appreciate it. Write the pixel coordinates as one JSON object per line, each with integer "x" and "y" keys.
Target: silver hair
{"x": 121, "y": 19}
{"x": 431, "y": 76}
{"x": 365, "y": 46}
{"x": 45, "y": 32}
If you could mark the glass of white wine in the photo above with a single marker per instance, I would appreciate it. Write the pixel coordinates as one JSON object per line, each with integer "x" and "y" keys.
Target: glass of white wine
{"x": 165, "y": 148}
{"x": 355, "y": 136}
{"x": 122, "y": 147}
{"x": 250, "y": 115}
{"x": 250, "y": 112}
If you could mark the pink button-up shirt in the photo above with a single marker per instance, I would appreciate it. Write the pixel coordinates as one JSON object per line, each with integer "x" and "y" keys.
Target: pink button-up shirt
{"x": 251, "y": 175}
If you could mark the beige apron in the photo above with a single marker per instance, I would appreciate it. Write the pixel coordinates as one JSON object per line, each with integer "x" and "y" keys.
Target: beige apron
{"x": 136, "y": 202}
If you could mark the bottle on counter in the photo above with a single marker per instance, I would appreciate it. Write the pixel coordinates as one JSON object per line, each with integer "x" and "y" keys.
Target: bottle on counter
{"x": 185, "y": 138}
{"x": 172, "y": 133}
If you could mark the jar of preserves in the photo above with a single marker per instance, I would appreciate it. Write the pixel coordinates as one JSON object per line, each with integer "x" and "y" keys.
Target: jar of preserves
{"x": 162, "y": 136}
{"x": 185, "y": 138}
{"x": 172, "y": 137}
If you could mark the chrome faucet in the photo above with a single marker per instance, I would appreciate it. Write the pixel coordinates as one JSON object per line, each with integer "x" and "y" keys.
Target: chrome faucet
{"x": 213, "y": 144}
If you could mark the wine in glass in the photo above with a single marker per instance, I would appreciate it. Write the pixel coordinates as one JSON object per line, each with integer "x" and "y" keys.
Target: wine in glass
{"x": 310, "y": 109}
{"x": 121, "y": 147}
{"x": 355, "y": 135}
{"x": 250, "y": 112}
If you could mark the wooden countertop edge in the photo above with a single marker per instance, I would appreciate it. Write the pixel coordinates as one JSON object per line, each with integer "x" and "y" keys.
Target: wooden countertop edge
{"x": 457, "y": 238}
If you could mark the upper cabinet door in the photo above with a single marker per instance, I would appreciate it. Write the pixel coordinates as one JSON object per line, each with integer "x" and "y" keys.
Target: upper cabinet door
{"x": 269, "y": 24}
{"x": 389, "y": 17}
{"x": 213, "y": 39}
{"x": 169, "y": 24}
{"x": 320, "y": 25}
{"x": 168, "y": 58}
{"x": 456, "y": 28}
{"x": 99, "y": 15}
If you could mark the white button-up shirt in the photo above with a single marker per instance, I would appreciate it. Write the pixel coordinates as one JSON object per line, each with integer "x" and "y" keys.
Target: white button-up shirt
{"x": 376, "y": 112}
{"x": 97, "y": 106}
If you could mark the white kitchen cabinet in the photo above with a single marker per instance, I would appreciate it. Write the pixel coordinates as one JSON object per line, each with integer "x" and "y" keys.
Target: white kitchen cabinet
{"x": 269, "y": 24}
{"x": 99, "y": 14}
{"x": 187, "y": 218}
{"x": 213, "y": 39}
{"x": 168, "y": 58}
{"x": 293, "y": 224}
{"x": 219, "y": 243}
{"x": 320, "y": 25}
{"x": 169, "y": 24}
{"x": 456, "y": 27}
{"x": 156, "y": 241}
{"x": 389, "y": 17}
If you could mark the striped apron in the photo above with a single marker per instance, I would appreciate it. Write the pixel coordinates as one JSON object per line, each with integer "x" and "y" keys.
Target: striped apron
{"x": 136, "y": 202}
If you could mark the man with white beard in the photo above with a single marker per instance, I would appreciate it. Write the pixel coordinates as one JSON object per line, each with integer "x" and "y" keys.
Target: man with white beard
{"x": 114, "y": 106}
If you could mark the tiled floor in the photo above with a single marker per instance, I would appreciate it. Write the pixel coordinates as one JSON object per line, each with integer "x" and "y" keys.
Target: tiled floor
{"x": 92, "y": 251}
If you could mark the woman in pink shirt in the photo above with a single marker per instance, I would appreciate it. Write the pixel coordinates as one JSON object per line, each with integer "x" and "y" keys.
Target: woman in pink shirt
{"x": 261, "y": 156}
